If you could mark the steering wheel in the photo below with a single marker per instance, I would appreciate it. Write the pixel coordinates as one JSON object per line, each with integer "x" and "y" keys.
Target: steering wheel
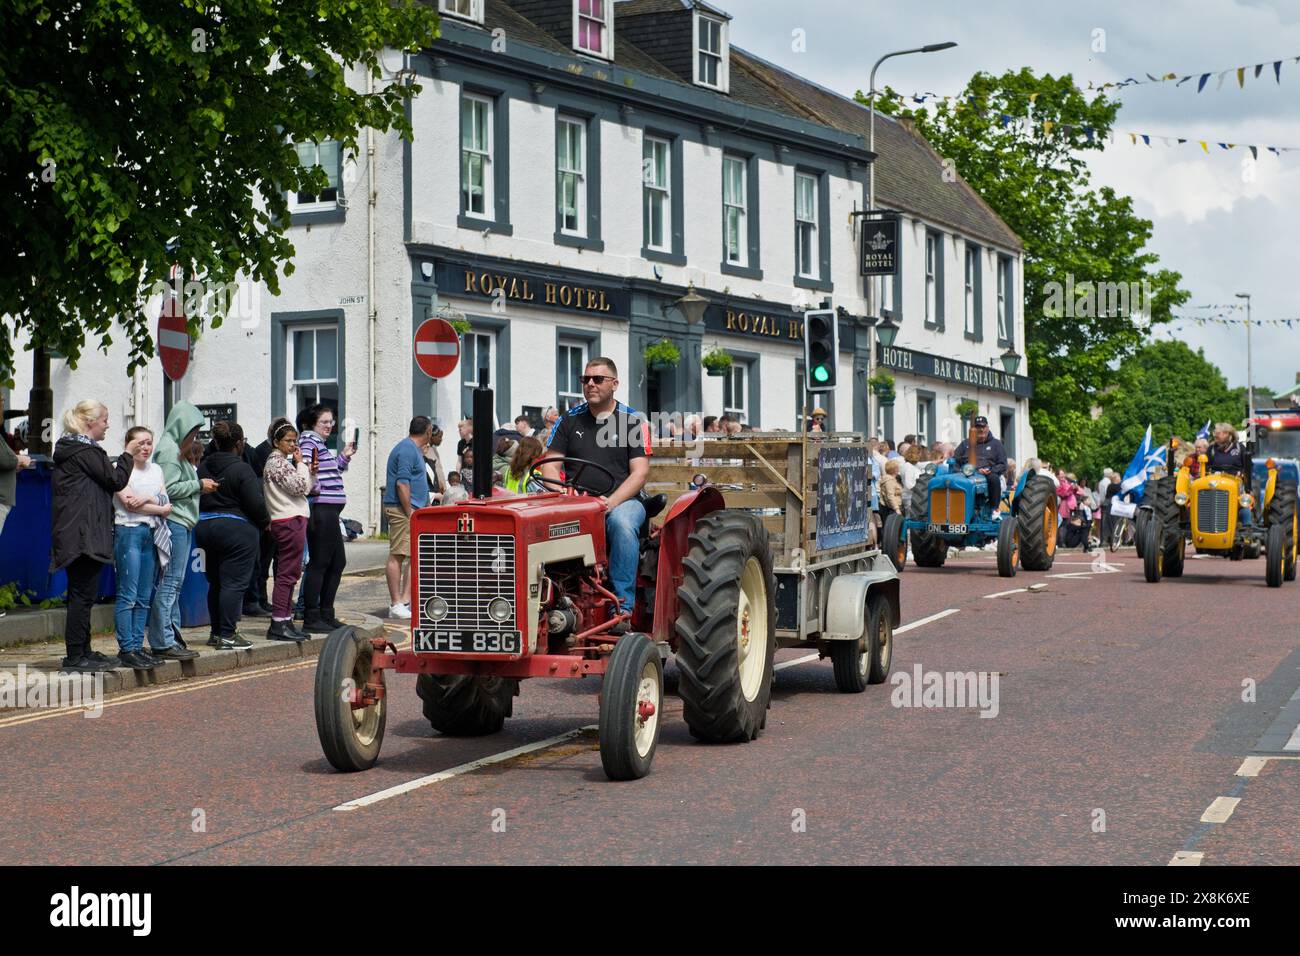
{"x": 573, "y": 469}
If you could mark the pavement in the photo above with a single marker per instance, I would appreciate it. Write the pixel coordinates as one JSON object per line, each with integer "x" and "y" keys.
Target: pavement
{"x": 1134, "y": 724}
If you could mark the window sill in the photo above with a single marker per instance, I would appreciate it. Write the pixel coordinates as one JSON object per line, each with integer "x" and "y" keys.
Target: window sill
{"x": 658, "y": 255}
{"x": 479, "y": 225}
{"x": 972, "y": 337}
{"x": 817, "y": 285}
{"x": 1006, "y": 344}
{"x": 579, "y": 242}
{"x": 743, "y": 272}
{"x": 934, "y": 326}
{"x": 311, "y": 217}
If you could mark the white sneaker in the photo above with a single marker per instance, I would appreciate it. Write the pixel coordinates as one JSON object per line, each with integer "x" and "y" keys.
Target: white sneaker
{"x": 399, "y": 611}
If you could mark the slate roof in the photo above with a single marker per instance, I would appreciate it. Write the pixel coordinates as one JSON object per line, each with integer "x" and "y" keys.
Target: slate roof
{"x": 908, "y": 170}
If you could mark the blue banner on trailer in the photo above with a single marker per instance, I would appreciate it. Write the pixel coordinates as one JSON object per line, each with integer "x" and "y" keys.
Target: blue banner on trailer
{"x": 842, "y": 497}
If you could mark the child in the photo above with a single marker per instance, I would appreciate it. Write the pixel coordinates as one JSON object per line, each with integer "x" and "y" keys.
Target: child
{"x": 286, "y": 479}
{"x": 455, "y": 490}
{"x": 137, "y": 511}
{"x": 891, "y": 489}
{"x": 521, "y": 464}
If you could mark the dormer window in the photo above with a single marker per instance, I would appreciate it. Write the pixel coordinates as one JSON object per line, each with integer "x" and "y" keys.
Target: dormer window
{"x": 593, "y": 27}
{"x": 462, "y": 9}
{"x": 711, "y": 54}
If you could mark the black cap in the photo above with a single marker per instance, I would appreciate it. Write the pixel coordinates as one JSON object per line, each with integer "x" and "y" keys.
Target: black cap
{"x": 981, "y": 422}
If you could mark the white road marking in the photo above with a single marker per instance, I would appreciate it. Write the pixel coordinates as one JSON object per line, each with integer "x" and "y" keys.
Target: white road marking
{"x": 1187, "y": 858}
{"x": 898, "y": 630}
{"x": 416, "y": 784}
{"x": 1005, "y": 593}
{"x": 1251, "y": 766}
{"x": 1294, "y": 742}
{"x": 1220, "y": 810}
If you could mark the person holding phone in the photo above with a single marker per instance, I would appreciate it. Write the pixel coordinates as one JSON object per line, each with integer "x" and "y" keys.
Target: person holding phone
{"x": 326, "y": 500}
{"x": 287, "y": 480}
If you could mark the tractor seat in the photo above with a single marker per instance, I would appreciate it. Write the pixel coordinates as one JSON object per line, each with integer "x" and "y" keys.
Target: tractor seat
{"x": 653, "y": 504}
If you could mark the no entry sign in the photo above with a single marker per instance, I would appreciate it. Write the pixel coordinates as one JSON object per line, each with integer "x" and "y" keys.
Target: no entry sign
{"x": 437, "y": 348}
{"x": 173, "y": 339}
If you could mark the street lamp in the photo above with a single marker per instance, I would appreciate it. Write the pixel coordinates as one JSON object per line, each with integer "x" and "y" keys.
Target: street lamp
{"x": 1011, "y": 361}
{"x": 1250, "y": 377}
{"x": 872, "y": 307}
{"x": 886, "y": 332}
{"x": 692, "y": 305}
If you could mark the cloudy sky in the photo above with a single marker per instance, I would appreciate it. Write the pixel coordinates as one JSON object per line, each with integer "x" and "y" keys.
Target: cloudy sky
{"x": 1224, "y": 233}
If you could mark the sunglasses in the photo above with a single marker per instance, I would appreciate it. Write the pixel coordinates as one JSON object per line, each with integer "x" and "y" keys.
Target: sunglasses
{"x": 595, "y": 379}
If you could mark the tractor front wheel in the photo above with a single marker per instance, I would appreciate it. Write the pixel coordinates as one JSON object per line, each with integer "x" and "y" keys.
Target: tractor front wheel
{"x": 350, "y": 736}
{"x": 894, "y": 540}
{"x": 464, "y": 706}
{"x": 631, "y": 702}
{"x": 1275, "y": 555}
{"x": 1036, "y": 513}
{"x": 1153, "y": 554}
{"x": 1283, "y": 510}
{"x": 726, "y": 628}
{"x": 1008, "y": 546}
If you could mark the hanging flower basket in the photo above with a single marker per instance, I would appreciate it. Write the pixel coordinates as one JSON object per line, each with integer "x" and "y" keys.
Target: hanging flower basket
{"x": 662, "y": 354}
{"x": 716, "y": 362}
{"x": 886, "y": 399}
{"x": 882, "y": 383}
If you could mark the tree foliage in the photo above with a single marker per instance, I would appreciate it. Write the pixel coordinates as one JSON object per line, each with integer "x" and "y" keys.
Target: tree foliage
{"x": 1169, "y": 387}
{"x": 138, "y": 136}
{"x": 1039, "y": 183}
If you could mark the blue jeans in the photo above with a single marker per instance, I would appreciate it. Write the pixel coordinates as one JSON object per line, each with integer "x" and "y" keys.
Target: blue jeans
{"x": 165, "y": 618}
{"x": 135, "y": 562}
{"x": 622, "y": 536}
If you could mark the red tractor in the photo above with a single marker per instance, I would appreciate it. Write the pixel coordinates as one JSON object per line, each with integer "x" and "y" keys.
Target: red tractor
{"x": 505, "y": 588}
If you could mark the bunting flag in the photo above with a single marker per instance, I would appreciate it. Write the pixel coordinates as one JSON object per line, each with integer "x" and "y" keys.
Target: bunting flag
{"x": 1202, "y": 77}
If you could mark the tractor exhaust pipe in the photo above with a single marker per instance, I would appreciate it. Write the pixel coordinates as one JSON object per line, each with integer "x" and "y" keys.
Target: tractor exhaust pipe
{"x": 482, "y": 441}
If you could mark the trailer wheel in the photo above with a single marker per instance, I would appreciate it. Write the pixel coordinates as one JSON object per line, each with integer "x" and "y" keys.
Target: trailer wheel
{"x": 726, "y": 628}
{"x": 1008, "y": 546}
{"x": 1153, "y": 555}
{"x": 631, "y": 702}
{"x": 1275, "y": 555}
{"x": 349, "y": 736}
{"x": 868, "y": 659}
{"x": 894, "y": 540}
{"x": 928, "y": 550}
{"x": 1036, "y": 513}
{"x": 464, "y": 706}
{"x": 880, "y": 619}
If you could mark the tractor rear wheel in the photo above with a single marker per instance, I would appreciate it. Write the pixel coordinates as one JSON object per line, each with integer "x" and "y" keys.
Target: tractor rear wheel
{"x": 1008, "y": 546}
{"x": 928, "y": 550}
{"x": 1282, "y": 510}
{"x": 1153, "y": 555}
{"x": 1275, "y": 555}
{"x": 631, "y": 702}
{"x": 894, "y": 541}
{"x": 726, "y": 628}
{"x": 350, "y": 736}
{"x": 1175, "y": 556}
{"x": 1036, "y": 511}
{"x": 463, "y": 706}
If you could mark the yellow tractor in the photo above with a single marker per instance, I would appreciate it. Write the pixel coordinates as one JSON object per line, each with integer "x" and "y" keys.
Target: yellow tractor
{"x": 1214, "y": 512}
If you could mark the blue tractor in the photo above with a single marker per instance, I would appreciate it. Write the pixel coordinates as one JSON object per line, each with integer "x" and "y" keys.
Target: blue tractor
{"x": 953, "y": 506}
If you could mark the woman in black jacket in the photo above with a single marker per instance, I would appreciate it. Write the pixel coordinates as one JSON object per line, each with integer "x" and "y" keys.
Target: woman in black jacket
{"x": 83, "y": 484}
{"x": 229, "y": 530}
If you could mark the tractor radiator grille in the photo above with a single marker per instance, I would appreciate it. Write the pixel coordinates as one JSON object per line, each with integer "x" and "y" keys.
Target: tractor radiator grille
{"x": 467, "y": 571}
{"x": 948, "y": 506}
{"x": 1212, "y": 511}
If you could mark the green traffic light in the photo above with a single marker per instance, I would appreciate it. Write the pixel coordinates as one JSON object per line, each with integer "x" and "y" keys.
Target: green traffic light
{"x": 821, "y": 373}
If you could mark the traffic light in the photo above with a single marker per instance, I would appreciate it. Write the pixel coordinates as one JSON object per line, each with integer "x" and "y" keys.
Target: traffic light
{"x": 821, "y": 340}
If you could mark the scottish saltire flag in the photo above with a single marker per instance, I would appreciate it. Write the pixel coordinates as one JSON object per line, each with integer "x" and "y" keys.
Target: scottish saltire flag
{"x": 1205, "y": 431}
{"x": 1145, "y": 459}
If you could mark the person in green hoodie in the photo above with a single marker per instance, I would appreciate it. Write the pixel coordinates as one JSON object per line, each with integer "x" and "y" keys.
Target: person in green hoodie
{"x": 183, "y": 490}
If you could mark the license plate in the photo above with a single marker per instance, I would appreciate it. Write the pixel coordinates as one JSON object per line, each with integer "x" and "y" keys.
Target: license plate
{"x": 946, "y": 528}
{"x": 468, "y": 642}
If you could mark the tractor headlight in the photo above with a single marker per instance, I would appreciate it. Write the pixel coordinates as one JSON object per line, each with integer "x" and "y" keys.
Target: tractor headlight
{"x": 435, "y": 609}
{"x": 499, "y": 610}
{"x": 1246, "y": 501}
{"x": 1180, "y": 499}
{"x": 968, "y": 469}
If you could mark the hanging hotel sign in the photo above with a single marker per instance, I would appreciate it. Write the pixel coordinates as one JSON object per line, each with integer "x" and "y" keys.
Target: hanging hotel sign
{"x": 495, "y": 285}
{"x": 879, "y": 247}
{"x": 951, "y": 370}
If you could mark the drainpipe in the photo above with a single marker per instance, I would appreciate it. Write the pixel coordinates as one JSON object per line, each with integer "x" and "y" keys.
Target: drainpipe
{"x": 373, "y": 315}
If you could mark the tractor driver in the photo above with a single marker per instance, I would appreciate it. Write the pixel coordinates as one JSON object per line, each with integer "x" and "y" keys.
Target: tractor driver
{"x": 610, "y": 434}
{"x": 990, "y": 456}
{"x": 1229, "y": 456}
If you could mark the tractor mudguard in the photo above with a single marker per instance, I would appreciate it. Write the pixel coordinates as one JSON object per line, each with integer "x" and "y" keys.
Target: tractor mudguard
{"x": 674, "y": 544}
{"x": 846, "y": 604}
